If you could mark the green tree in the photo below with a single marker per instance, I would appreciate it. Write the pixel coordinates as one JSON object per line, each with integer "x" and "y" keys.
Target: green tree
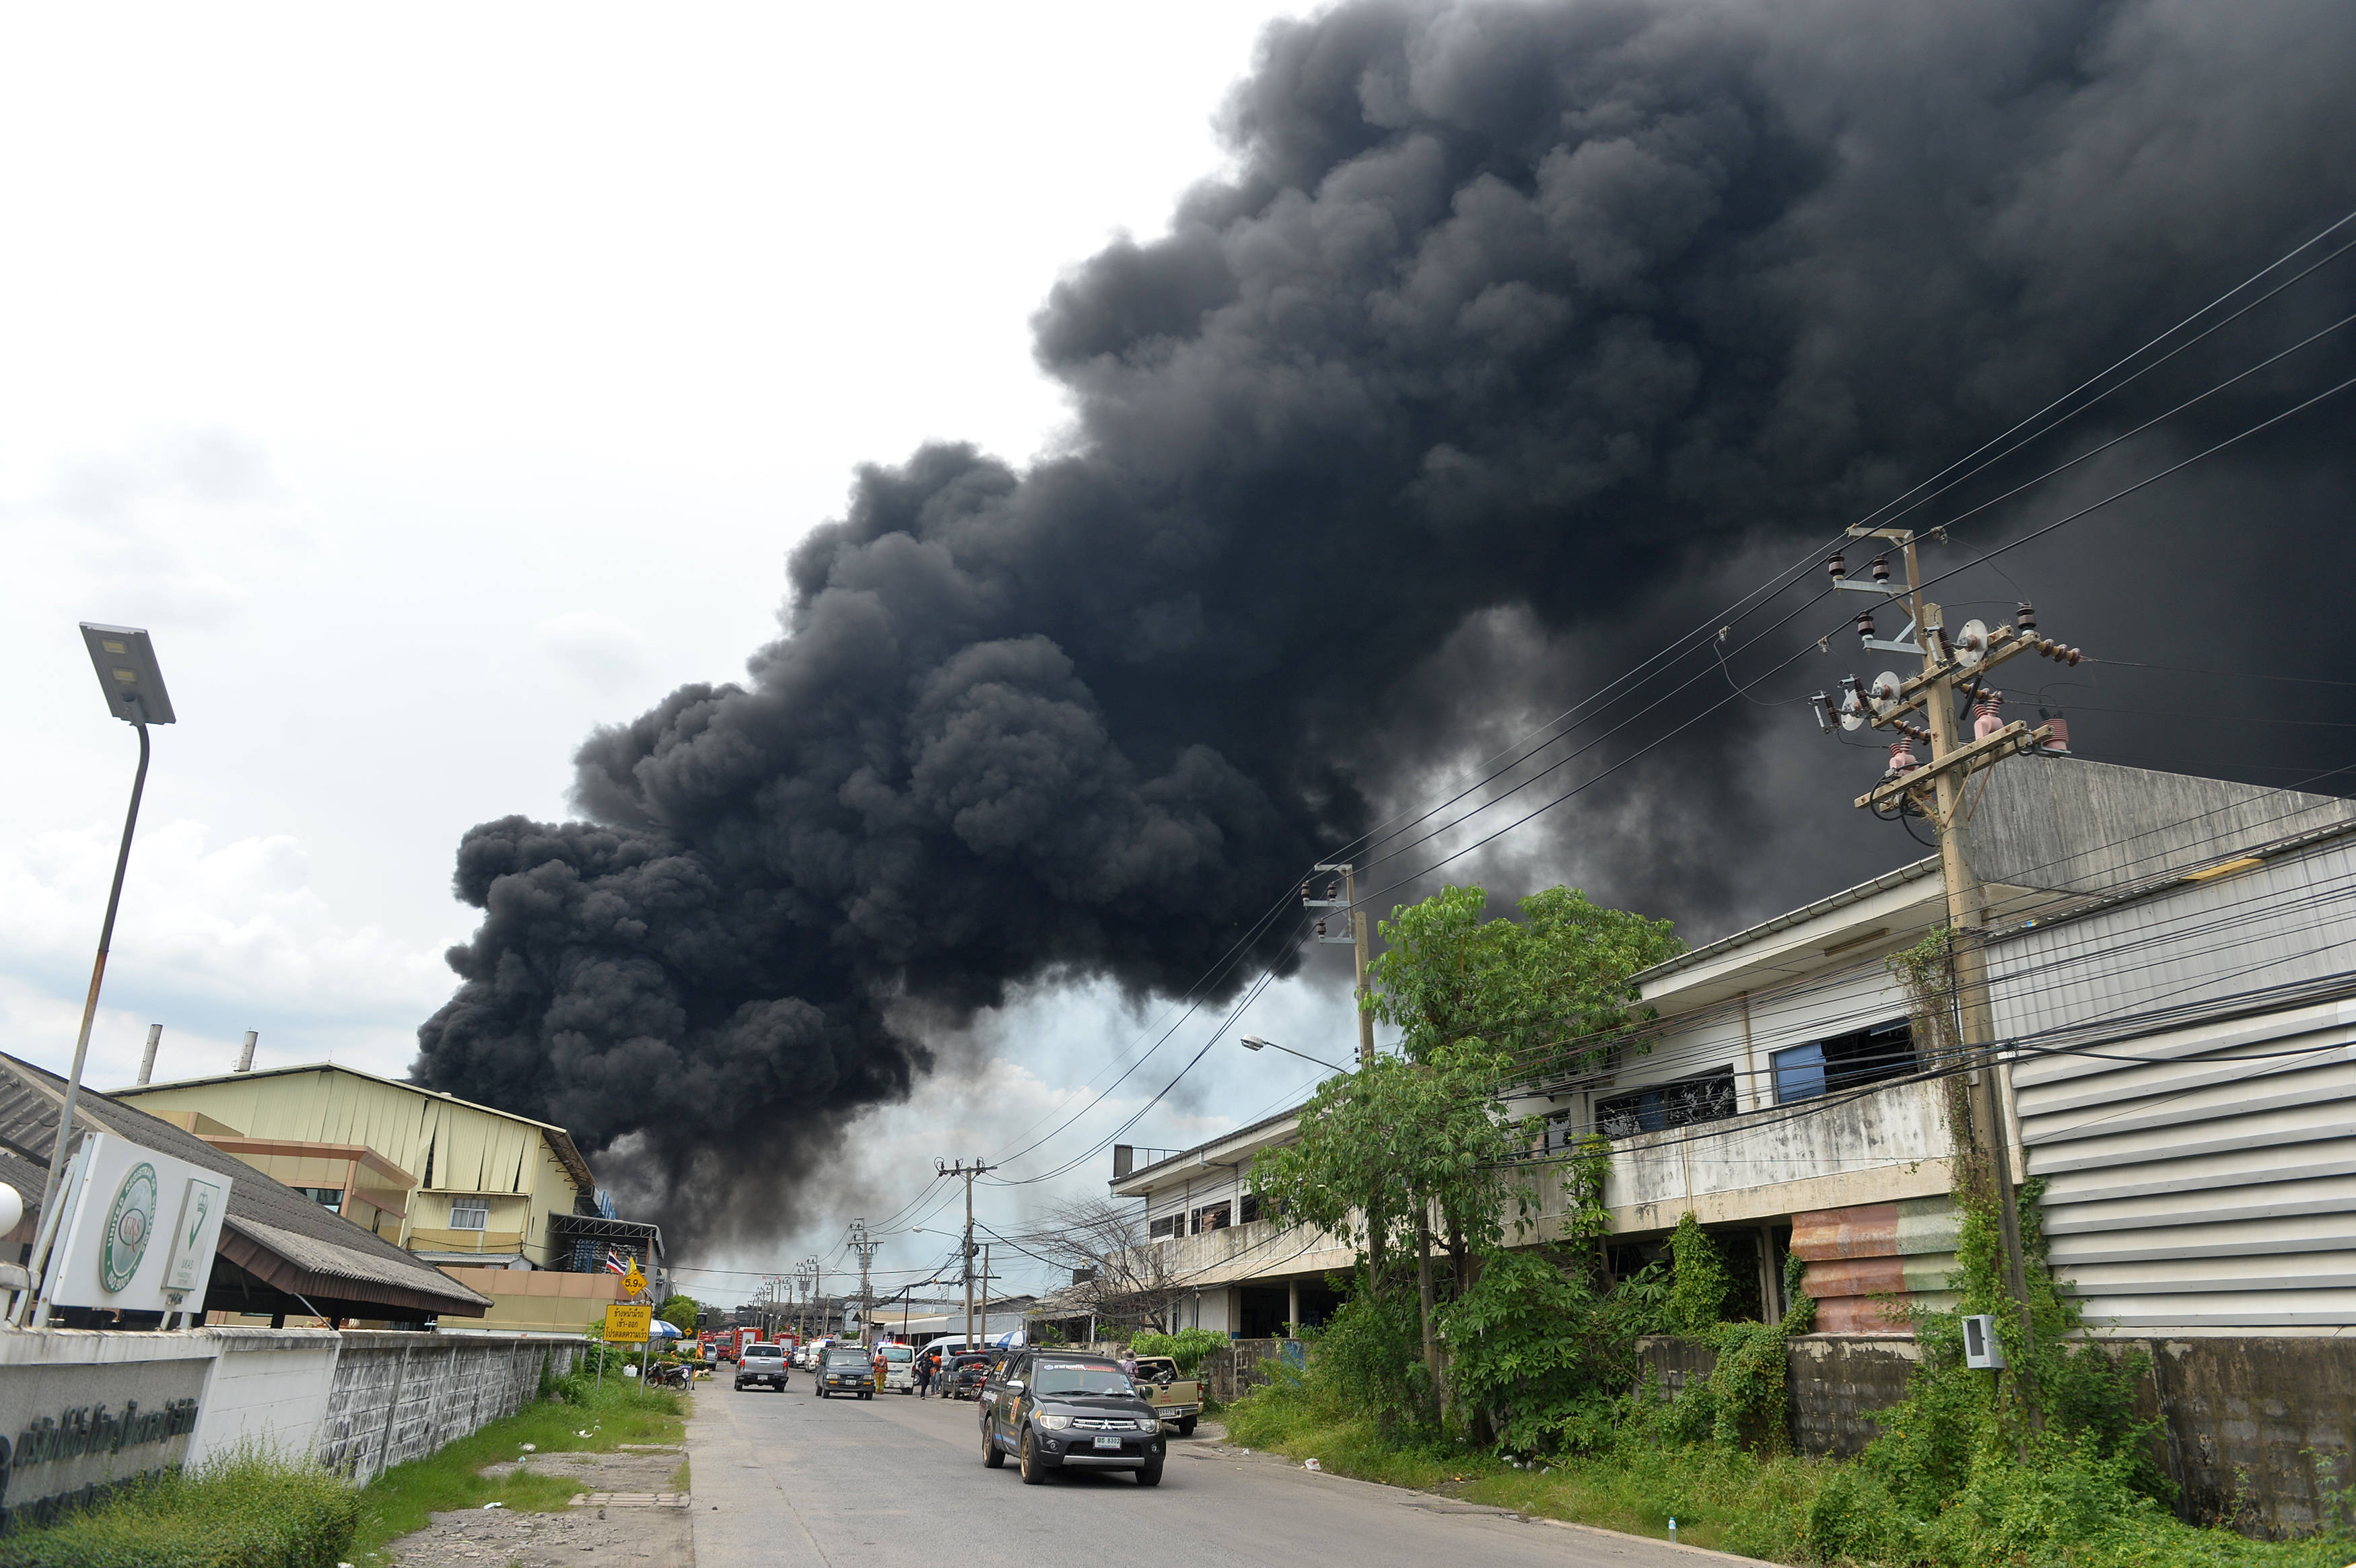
{"x": 682, "y": 1312}
{"x": 1417, "y": 1148}
{"x": 1551, "y": 985}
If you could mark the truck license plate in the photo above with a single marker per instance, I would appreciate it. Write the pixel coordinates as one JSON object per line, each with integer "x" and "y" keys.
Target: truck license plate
{"x": 1108, "y": 1441}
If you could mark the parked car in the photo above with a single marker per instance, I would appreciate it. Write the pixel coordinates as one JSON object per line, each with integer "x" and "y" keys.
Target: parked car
{"x": 762, "y": 1364}
{"x": 847, "y": 1369}
{"x": 966, "y": 1375}
{"x": 900, "y": 1369}
{"x": 1176, "y": 1400}
{"x": 1056, "y": 1410}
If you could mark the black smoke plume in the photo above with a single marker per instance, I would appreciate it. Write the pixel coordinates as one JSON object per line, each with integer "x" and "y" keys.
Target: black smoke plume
{"x": 1522, "y": 333}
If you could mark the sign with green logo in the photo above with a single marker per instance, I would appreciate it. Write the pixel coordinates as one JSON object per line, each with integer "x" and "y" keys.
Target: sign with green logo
{"x": 129, "y": 1228}
{"x": 139, "y": 1228}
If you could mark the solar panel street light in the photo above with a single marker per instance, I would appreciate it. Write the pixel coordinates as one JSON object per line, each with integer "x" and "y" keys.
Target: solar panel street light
{"x": 124, "y": 659}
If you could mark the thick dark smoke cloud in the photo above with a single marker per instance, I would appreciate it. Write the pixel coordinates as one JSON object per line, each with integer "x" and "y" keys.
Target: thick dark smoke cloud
{"x": 1522, "y": 334}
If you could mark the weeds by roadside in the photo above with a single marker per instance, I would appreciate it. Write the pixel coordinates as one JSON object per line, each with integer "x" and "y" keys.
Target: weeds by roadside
{"x": 1778, "y": 1507}
{"x": 246, "y": 1511}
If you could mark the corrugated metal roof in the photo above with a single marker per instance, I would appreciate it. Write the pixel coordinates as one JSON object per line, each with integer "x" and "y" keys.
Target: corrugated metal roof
{"x": 471, "y": 1157}
{"x": 264, "y": 1214}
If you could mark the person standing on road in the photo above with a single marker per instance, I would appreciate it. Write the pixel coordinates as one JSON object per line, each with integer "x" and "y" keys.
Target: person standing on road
{"x": 924, "y": 1377}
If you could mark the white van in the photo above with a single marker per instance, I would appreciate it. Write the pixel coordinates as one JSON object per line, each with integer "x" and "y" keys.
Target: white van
{"x": 900, "y": 1369}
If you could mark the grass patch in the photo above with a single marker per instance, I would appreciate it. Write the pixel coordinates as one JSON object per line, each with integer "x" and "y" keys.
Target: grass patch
{"x": 681, "y": 1479}
{"x": 400, "y": 1500}
{"x": 246, "y": 1511}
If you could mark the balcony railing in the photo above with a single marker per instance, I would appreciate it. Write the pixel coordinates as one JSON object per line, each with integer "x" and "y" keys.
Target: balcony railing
{"x": 427, "y": 1239}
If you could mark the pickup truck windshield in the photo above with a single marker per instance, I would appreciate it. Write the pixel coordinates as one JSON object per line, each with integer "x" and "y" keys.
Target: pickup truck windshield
{"x": 1066, "y": 1378}
{"x": 848, "y": 1358}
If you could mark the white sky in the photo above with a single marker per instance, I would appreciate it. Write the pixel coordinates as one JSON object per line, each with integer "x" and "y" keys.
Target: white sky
{"x": 437, "y": 382}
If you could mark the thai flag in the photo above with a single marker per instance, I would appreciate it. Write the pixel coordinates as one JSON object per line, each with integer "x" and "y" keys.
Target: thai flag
{"x": 616, "y": 1262}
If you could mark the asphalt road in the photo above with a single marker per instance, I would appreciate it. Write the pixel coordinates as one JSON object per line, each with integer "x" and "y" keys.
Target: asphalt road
{"x": 898, "y": 1482}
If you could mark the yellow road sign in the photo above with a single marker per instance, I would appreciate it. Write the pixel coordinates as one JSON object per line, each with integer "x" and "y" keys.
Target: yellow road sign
{"x": 628, "y": 1325}
{"x": 634, "y": 1283}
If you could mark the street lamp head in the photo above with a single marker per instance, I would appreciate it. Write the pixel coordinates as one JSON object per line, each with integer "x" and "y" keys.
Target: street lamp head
{"x": 1253, "y": 1042}
{"x": 126, "y": 662}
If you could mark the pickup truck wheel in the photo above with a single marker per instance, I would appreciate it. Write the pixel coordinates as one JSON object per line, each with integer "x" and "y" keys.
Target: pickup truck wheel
{"x": 992, "y": 1454}
{"x": 1151, "y": 1475}
{"x": 1187, "y": 1426}
{"x": 1033, "y": 1473}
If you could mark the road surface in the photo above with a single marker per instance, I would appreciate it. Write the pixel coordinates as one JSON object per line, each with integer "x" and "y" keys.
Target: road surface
{"x": 898, "y": 1482}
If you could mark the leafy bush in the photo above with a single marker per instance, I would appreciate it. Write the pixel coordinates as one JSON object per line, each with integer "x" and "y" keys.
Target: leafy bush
{"x": 1371, "y": 1357}
{"x": 1700, "y": 1293}
{"x": 1533, "y": 1346}
{"x": 1188, "y": 1347}
{"x": 246, "y": 1511}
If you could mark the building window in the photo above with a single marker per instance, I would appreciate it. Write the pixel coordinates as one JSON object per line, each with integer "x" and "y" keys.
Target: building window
{"x": 1248, "y": 1210}
{"x": 331, "y": 1199}
{"x": 470, "y": 1213}
{"x": 1844, "y": 1061}
{"x": 1165, "y": 1226}
{"x": 1212, "y": 1217}
{"x": 1706, "y": 1097}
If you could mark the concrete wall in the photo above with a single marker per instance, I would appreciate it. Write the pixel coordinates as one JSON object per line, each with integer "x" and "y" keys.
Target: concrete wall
{"x": 266, "y": 1389}
{"x": 2245, "y": 1420}
{"x": 535, "y": 1301}
{"x": 64, "y": 1395}
{"x": 80, "y": 1408}
{"x": 398, "y": 1396}
{"x": 1227, "y": 1375}
{"x": 1878, "y": 1148}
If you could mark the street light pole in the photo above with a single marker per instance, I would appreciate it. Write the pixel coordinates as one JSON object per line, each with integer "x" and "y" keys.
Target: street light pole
{"x": 1253, "y": 1042}
{"x": 126, "y": 662}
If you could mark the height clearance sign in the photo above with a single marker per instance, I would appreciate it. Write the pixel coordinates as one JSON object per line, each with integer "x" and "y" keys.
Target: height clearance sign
{"x": 628, "y": 1323}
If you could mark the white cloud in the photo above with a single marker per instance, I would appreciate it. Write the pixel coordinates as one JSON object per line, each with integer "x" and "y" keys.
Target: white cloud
{"x": 603, "y": 652}
{"x": 210, "y": 939}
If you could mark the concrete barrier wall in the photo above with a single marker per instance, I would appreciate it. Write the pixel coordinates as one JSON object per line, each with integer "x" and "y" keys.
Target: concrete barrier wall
{"x": 86, "y": 1407}
{"x": 398, "y": 1397}
{"x": 2253, "y": 1430}
{"x": 266, "y": 1389}
{"x": 1229, "y": 1374}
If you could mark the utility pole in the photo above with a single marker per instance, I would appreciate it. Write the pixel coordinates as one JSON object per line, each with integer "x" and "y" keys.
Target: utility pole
{"x": 965, "y": 1250}
{"x": 1343, "y": 895}
{"x": 865, "y": 1247}
{"x": 1951, "y": 666}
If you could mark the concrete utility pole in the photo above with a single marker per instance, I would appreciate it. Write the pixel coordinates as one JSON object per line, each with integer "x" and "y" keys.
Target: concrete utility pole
{"x": 965, "y": 1252}
{"x": 865, "y": 1247}
{"x": 1356, "y": 936}
{"x": 1954, "y": 665}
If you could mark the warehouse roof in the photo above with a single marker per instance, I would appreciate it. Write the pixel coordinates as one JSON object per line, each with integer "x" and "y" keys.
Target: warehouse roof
{"x": 272, "y": 1234}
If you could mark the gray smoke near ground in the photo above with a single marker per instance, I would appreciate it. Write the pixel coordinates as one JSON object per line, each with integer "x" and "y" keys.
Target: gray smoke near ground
{"x": 1522, "y": 335}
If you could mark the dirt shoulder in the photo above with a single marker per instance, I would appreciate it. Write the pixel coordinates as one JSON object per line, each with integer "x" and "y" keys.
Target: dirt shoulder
{"x": 631, "y": 1528}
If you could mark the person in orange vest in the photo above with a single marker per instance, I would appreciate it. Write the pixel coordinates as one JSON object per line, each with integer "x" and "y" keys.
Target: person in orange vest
{"x": 881, "y": 1366}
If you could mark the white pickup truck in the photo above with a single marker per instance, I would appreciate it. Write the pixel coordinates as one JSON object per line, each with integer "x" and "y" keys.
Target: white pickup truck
{"x": 1177, "y": 1400}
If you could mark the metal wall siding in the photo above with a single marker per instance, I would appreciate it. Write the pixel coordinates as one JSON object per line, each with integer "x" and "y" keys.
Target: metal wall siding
{"x": 2213, "y": 1184}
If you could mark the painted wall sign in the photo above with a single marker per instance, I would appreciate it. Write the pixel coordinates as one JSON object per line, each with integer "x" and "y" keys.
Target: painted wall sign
{"x": 70, "y": 1432}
